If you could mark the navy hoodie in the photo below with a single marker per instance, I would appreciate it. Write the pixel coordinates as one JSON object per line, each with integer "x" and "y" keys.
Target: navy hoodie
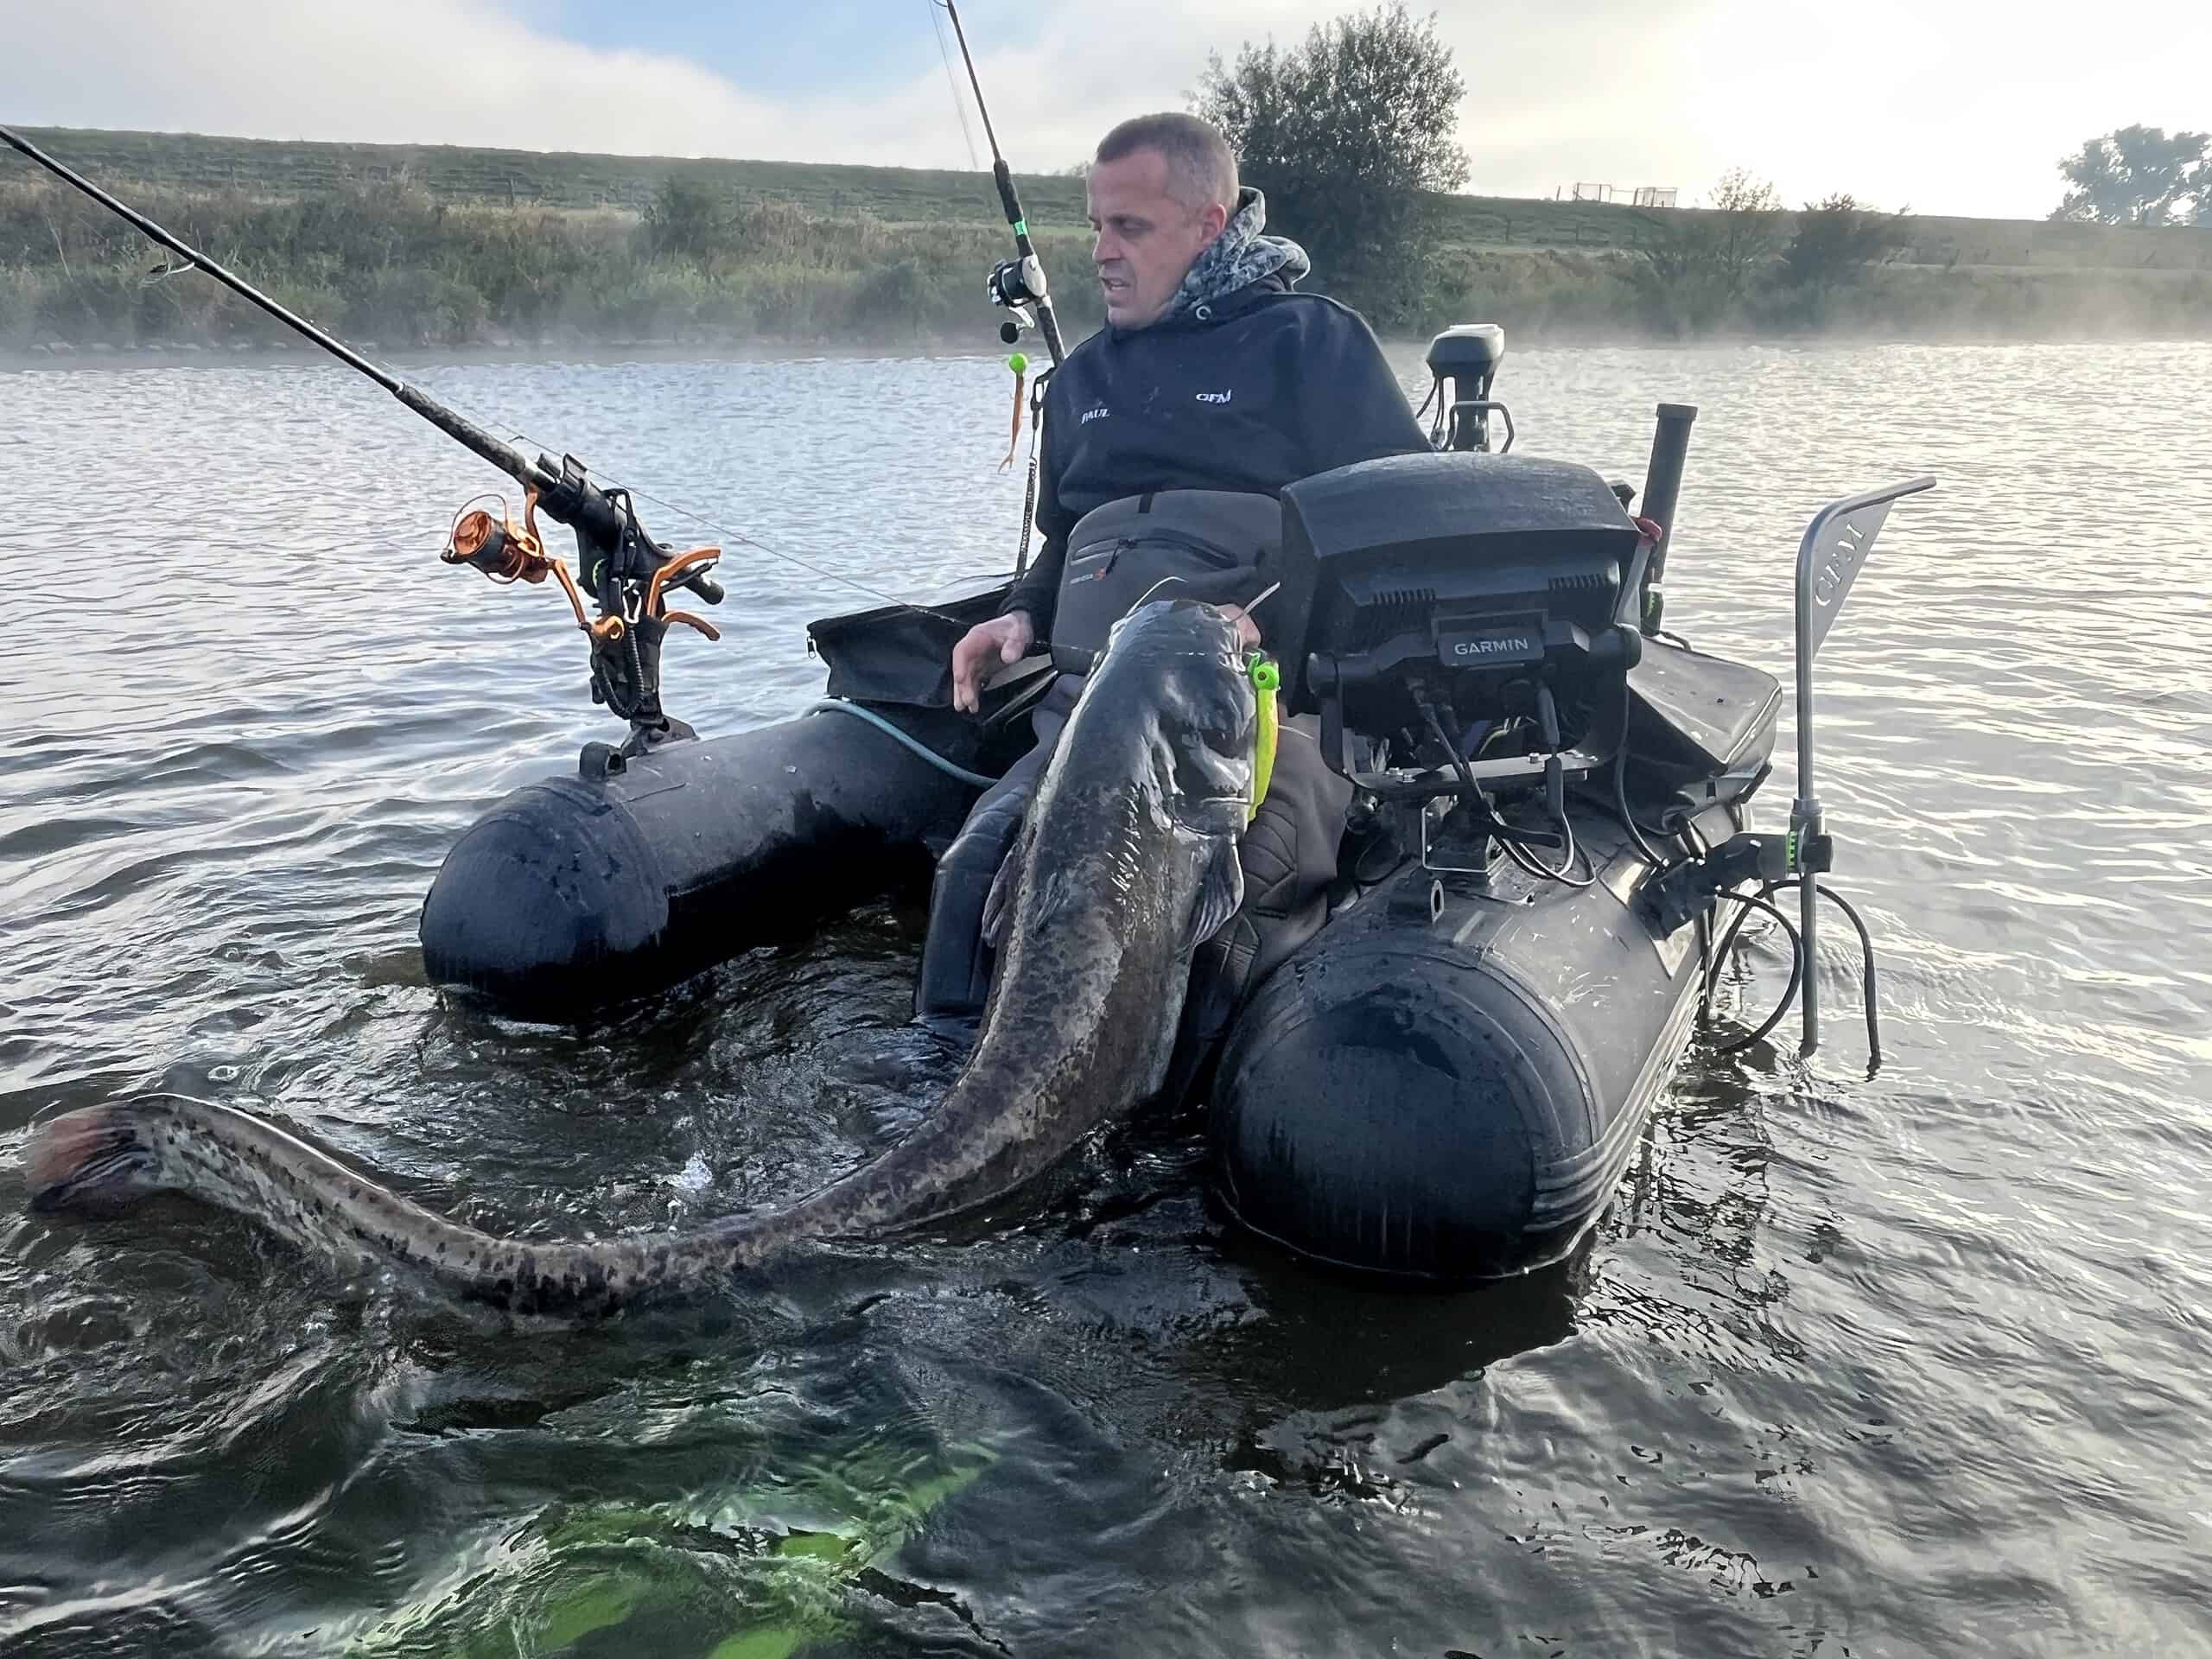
{"x": 1252, "y": 392}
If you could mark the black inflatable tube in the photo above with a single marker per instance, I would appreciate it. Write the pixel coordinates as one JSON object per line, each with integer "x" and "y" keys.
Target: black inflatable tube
{"x": 573, "y": 894}
{"x": 1453, "y": 1093}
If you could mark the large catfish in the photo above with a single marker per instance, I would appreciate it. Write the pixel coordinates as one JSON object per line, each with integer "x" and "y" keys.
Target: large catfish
{"x": 1128, "y": 862}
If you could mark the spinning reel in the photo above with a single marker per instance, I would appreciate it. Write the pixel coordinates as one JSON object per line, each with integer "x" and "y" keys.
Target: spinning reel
{"x": 1017, "y": 285}
{"x": 627, "y": 573}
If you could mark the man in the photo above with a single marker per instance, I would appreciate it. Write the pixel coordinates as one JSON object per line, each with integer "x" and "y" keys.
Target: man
{"x": 1167, "y": 436}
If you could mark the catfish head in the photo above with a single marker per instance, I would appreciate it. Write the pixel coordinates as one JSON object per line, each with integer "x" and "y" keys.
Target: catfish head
{"x": 1128, "y": 860}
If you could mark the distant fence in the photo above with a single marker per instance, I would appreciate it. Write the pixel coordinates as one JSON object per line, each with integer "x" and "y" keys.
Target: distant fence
{"x": 1643, "y": 195}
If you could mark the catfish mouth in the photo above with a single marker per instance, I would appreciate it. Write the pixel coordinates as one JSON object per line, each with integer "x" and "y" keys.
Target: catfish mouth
{"x": 1206, "y": 787}
{"x": 1219, "y": 814}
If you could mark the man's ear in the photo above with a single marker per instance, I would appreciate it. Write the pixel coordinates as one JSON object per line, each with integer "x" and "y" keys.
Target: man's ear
{"x": 1215, "y": 220}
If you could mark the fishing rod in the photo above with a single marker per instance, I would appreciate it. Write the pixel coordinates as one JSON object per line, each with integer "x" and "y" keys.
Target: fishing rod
{"x": 1018, "y": 284}
{"x": 626, "y": 572}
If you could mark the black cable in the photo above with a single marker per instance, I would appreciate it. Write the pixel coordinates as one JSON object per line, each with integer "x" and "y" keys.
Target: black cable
{"x": 1451, "y": 751}
{"x": 1870, "y": 981}
{"x": 1690, "y": 844}
{"x": 1620, "y": 783}
{"x": 1796, "y": 970}
{"x": 1870, "y": 984}
{"x": 1564, "y": 874}
{"x": 1529, "y": 861}
{"x": 1727, "y": 939}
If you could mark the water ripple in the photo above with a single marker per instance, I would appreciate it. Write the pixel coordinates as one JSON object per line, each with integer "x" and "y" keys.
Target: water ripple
{"x": 1900, "y": 1366}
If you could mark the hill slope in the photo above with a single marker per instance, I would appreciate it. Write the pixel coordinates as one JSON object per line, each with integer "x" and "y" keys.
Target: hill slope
{"x": 517, "y": 178}
{"x": 437, "y": 245}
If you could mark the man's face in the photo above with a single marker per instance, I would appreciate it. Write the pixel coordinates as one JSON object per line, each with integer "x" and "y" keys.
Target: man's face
{"x": 1146, "y": 239}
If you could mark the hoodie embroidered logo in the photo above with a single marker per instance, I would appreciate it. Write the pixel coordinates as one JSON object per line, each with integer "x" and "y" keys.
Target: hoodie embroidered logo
{"x": 1214, "y": 396}
{"x": 1091, "y": 414}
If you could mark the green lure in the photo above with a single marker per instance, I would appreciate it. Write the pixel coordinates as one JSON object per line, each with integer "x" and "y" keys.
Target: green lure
{"x": 1267, "y": 680}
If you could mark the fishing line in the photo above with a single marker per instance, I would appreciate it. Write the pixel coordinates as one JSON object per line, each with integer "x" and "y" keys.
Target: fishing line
{"x": 732, "y": 537}
{"x": 1019, "y": 283}
{"x": 981, "y": 108}
{"x": 473, "y": 434}
{"x": 952, "y": 82}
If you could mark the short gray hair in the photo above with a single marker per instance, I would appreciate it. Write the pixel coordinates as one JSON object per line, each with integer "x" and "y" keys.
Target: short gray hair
{"x": 1201, "y": 168}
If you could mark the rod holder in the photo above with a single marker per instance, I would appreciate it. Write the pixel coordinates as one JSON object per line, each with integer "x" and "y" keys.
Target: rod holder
{"x": 1662, "y": 483}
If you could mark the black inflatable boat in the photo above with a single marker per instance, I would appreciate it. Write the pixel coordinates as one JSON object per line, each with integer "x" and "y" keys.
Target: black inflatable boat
{"x": 1550, "y": 823}
{"x": 1546, "y": 852}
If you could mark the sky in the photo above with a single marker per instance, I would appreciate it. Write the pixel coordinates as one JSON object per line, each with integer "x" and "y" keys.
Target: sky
{"x": 1940, "y": 107}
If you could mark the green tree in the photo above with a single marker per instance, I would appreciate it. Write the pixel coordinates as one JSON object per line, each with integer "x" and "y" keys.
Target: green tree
{"x": 690, "y": 218}
{"x": 1694, "y": 266}
{"x": 2137, "y": 175}
{"x": 1744, "y": 226}
{"x": 1345, "y": 134}
{"x": 1837, "y": 239}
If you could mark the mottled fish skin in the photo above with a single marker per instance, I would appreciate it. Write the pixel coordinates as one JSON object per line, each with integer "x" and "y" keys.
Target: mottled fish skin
{"x": 1128, "y": 861}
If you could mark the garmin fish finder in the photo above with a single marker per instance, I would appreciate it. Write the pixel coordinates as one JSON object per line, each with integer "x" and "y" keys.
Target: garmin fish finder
{"x": 1484, "y": 598}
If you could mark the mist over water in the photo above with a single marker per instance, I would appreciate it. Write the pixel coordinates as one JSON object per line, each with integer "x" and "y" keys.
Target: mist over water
{"x": 1904, "y": 1366}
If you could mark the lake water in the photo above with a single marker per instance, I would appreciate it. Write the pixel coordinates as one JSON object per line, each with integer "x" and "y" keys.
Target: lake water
{"x": 1902, "y": 1366}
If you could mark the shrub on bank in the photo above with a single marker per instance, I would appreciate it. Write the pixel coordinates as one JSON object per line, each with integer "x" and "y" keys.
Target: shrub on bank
{"x": 387, "y": 262}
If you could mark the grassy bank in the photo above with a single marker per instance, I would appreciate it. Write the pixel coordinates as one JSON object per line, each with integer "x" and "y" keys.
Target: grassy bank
{"x": 387, "y": 262}
{"x": 405, "y": 246}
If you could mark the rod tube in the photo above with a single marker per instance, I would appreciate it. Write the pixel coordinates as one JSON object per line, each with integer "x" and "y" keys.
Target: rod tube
{"x": 1663, "y": 483}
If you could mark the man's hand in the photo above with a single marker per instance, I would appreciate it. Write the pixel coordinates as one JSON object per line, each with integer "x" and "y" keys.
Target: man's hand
{"x": 1007, "y": 637}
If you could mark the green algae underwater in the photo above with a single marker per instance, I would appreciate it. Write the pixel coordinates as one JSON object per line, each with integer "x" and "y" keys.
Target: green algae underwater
{"x": 777, "y": 1559}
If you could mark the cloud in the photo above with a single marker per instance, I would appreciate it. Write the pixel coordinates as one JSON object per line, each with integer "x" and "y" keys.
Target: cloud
{"x": 1958, "y": 108}
{"x": 431, "y": 71}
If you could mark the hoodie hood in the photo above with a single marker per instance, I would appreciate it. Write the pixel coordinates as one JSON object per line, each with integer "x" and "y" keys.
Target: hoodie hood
{"x": 1235, "y": 259}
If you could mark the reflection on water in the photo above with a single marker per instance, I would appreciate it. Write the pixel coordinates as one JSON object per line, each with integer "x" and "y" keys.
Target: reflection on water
{"x": 1900, "y": 1366}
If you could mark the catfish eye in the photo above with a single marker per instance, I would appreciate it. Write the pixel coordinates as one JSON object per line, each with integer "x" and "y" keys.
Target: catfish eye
{"x": 1228, "y": 715}
{"x": 1213, "y": 729}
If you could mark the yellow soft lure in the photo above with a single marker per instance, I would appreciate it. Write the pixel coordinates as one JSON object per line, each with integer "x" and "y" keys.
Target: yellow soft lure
{"x": 1267, "y": 680}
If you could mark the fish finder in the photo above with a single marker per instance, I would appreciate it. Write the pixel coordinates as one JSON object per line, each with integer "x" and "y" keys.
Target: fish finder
{"x": 1485, "y": 600}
